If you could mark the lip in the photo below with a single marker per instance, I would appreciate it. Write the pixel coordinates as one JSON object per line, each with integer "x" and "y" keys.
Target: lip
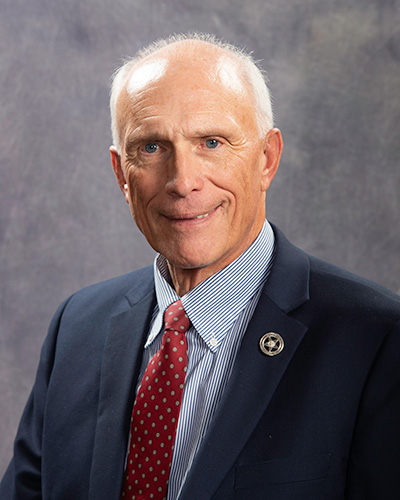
{"x": 190, "y": 219}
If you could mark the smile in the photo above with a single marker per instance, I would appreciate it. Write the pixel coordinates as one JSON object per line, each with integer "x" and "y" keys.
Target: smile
{"x": 191, "y": 218}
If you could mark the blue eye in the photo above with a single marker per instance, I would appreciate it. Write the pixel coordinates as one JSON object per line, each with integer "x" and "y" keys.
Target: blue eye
{"x": 212, "y": 143}
{"x": 151, "y": 147}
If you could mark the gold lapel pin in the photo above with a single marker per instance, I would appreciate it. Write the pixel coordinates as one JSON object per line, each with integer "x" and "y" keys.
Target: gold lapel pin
{"x": 271, "y": 344}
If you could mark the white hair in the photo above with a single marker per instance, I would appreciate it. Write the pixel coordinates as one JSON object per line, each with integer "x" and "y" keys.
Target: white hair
{"x": 253, "y": 75}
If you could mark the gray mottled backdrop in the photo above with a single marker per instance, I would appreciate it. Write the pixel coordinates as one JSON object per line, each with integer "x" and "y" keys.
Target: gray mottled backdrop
{"x": 334, "y": 68}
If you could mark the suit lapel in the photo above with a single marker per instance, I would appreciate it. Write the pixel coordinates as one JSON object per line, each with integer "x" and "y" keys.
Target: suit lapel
{"x": 119, "y": 373}
{"x": 255, "y": 376}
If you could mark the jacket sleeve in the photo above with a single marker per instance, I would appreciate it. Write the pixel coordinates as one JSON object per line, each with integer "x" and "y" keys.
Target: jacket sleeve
{"x": 374, "y": 463}
{"x": 23, "y": 478}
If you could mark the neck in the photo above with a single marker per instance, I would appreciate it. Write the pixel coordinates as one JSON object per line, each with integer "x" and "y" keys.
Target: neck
{"x": 185, "y": 280}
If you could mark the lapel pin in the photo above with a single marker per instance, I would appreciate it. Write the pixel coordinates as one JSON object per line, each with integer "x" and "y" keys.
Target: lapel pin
{"x": 271, "y": 344}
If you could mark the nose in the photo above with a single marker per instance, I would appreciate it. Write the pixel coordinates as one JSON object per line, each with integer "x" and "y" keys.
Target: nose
{"x": 184, "y": 173}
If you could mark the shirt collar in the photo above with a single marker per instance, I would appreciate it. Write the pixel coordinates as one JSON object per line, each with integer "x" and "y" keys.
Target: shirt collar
{"x": 215, "y": 304}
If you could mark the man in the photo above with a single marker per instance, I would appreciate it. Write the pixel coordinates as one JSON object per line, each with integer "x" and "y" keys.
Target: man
{"x": 292, "y": 388}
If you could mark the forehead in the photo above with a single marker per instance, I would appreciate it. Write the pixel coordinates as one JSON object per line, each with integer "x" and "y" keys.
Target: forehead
{"x": 188, "y": 58}
{"x": 195, "y": 81}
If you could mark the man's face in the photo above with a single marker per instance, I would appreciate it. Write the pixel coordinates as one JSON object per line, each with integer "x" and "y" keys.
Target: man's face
{"x": 194, "y": 163}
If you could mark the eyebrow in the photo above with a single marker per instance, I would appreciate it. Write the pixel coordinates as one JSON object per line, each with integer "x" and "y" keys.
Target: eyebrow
{"x": 141, "y": 138}
{"x": 211, "y": 132}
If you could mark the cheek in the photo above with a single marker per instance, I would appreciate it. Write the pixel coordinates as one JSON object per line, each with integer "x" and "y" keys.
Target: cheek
{"x": 143, "y": 189}
{"x": 241, "y": 176}
{"x": 247, "y": 190}
{"x": 136, "y": 192}
{"x": 138, "y": 185}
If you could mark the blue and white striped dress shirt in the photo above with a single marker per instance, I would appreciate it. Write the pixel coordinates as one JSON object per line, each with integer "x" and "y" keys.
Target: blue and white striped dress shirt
{"x": 219, "y": 309}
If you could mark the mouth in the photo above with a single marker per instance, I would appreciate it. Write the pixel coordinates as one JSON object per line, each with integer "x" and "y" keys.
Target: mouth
{"x": 189, "y": 217}
{"x": 182, "y": 218}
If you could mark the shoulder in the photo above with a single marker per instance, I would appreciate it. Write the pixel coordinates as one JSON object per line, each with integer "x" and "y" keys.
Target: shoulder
{"x": 84, "y": 317}
{"x": 330, "y": 296}
{"x": 352, "y": 312}
{"x": 337, "y": 286}
{"x": 142, "y": 279}
{"x": 299, "y": 280}
{"x": 110, "y": 296}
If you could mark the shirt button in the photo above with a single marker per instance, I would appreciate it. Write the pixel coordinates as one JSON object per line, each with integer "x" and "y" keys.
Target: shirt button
{"x": 213, "y": 342}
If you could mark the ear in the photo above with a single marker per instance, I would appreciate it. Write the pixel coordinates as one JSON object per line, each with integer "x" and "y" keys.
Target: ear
{"x": 272, "y": 155}
{"x": 119, "y": 173}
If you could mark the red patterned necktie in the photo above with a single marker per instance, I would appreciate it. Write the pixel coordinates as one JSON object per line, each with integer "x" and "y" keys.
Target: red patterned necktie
{"x": 156, "y": 412}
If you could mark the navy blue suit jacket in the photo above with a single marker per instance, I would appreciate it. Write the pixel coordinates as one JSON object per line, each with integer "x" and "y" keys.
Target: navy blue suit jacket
{"x": 319, "y": 421}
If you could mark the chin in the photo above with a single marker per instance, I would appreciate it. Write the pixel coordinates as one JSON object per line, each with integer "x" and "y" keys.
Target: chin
{"x": 189, "y": 260}
{"x": 214, "y": 262}
{"x": 186, "y": 263}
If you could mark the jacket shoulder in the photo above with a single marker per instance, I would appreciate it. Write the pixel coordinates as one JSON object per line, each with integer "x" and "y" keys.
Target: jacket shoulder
{"x": 337, "y": 287}
{"x": 95, "y": 302}
{"x": 140, "y": 281}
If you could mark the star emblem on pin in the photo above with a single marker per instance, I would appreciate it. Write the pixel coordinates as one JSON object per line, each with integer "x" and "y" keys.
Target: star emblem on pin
{"x": 271, "y": 344}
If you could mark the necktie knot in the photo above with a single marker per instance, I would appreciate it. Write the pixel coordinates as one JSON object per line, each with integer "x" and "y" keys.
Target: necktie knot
{"x": 175, "y": 318}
